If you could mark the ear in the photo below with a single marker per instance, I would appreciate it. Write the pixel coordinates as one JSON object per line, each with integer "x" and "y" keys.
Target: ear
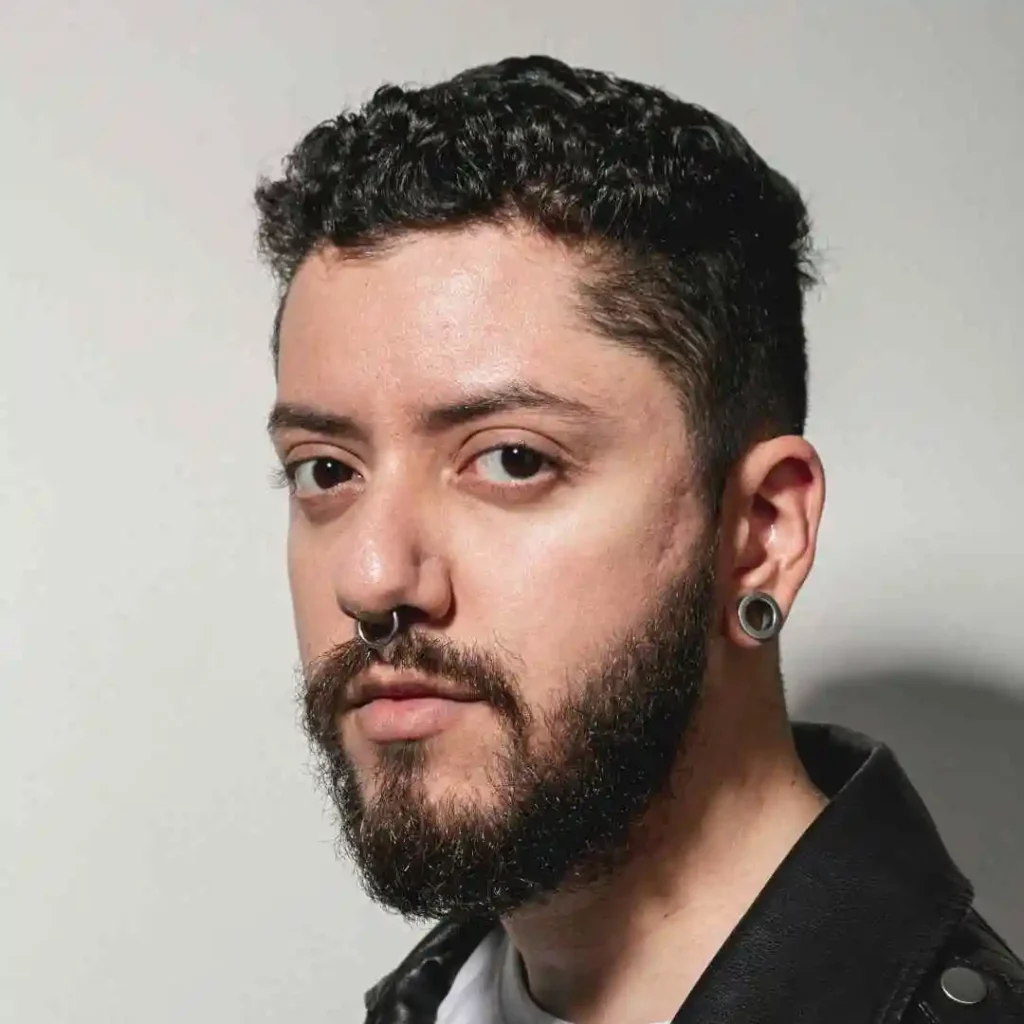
{"x": 770, "y": 515}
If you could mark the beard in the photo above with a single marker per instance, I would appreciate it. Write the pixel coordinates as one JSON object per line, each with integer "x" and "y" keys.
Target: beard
{"x": 569, "y": 783}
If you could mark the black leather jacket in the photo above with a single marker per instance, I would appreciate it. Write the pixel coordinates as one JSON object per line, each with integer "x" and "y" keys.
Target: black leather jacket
{"x": 867, "y": 921}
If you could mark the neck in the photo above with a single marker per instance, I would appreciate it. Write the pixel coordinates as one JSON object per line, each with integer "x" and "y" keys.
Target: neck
{"x": 630, "y": 949}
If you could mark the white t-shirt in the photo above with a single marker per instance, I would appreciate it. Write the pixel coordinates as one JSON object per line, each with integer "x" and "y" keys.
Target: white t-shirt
{"x": 490, "y": 988}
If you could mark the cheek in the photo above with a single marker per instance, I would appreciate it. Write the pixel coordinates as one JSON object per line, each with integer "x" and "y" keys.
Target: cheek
{"x": 313, "y": 600}
{"x": 556, "y": 592}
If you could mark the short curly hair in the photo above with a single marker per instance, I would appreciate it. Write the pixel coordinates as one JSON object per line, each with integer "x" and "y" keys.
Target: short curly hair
{"x": 692, "y": 248}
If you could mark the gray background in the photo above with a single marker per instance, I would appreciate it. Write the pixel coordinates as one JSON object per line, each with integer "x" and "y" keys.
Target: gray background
{"x": 165, "y": 854}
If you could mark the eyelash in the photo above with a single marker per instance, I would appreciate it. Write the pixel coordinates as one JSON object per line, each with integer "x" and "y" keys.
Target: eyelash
{"x": 283, "y": 477}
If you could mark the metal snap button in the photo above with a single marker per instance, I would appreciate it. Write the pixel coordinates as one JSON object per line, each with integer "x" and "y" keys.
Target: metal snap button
{"x": 964, "y": 985}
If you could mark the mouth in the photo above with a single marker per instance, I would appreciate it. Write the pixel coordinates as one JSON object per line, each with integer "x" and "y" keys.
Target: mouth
{"x": 406, "y": 689}
{"x": 407, "y": 708}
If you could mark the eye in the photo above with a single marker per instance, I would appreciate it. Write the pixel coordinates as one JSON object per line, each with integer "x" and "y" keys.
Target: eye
{"x": 513, "y": 463}
{"x": 311, "y": 477}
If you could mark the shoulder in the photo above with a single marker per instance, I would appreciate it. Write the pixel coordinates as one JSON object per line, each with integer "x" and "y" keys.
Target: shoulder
{"x": 976, "y": 979}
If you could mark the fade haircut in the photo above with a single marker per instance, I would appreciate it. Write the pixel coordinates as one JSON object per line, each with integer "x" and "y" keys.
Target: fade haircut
{"x": 691, "y": 247}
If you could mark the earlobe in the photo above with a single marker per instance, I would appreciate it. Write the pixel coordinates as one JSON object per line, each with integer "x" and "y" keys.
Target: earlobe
{"x": 759, "y": 616}
{"x": 754, "y": 618}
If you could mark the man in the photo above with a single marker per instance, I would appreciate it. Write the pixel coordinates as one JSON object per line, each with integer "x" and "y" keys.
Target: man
{"x": 541, "y": 394}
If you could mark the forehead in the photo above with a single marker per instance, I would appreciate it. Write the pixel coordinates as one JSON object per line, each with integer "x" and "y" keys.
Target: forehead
{"x": 441, "y": 312}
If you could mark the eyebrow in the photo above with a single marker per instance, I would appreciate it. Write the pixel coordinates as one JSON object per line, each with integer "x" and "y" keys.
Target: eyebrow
{"x": 436, "y": 419}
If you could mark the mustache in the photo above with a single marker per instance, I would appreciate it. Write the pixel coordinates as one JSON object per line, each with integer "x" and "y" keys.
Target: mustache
{"x": 329, "y": 680}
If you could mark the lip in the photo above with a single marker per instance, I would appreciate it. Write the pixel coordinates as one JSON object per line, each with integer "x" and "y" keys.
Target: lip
{"x": 405, "y": 687}
{"x": 390, "y": 719}
{"x": 389, "y": 706}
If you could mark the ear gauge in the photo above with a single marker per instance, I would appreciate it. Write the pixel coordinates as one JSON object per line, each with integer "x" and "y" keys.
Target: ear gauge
{"x": 760, "y": 616}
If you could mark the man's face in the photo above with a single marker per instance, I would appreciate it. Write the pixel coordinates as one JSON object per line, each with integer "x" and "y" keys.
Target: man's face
{"x": 549, "y": 554}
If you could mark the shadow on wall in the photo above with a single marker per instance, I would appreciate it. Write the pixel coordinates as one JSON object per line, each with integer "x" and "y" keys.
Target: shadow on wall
{"x": 960, "y": 739}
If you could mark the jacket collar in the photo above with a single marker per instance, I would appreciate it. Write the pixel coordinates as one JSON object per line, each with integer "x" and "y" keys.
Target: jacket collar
{"x": 844, "y": 930}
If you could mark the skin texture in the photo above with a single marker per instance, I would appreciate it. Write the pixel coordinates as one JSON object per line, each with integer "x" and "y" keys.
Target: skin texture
{"x": 547, "y": 572}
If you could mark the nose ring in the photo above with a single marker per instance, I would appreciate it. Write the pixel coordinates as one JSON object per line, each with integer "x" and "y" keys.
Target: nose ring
{"x": 378, "y": 633}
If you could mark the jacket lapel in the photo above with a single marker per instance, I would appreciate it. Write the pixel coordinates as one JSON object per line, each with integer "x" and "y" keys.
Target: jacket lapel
{"x": 851, "y": 921}
{"x": 412, "y": 992}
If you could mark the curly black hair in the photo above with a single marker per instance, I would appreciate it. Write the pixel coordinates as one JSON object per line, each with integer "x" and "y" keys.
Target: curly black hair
{"x": 691, "y": 246}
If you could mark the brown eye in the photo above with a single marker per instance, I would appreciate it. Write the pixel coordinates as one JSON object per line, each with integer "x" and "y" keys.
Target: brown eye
{"x": 511, "y": 463}
{"x": 314, "y": 476}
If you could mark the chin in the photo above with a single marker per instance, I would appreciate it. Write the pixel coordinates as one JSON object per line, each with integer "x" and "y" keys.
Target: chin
{"x": 459, "y": 793}
{"x": 452, "y": 782}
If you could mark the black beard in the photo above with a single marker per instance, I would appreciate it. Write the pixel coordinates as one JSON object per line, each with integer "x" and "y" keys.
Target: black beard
{"x": 560, "y": 819}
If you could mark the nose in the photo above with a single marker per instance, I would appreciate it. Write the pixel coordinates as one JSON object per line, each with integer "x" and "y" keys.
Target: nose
{"x": 385, "y": 557}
